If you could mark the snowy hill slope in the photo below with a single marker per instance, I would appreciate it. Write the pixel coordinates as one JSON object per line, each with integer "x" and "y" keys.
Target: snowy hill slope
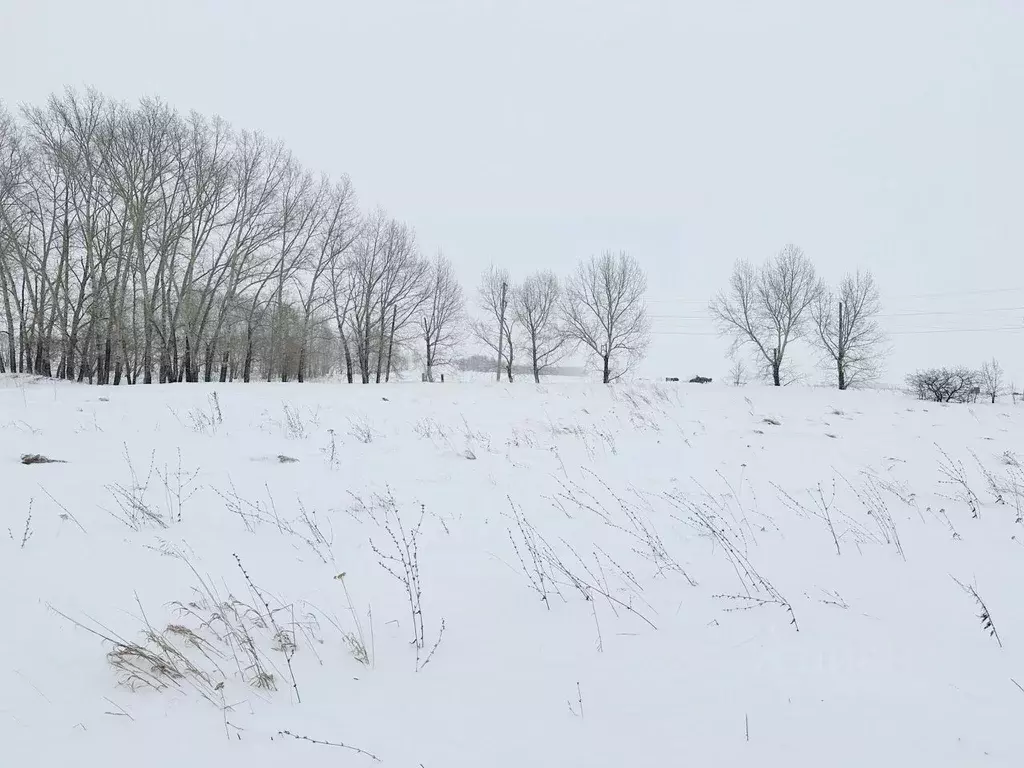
{"x": 481, "y": 575}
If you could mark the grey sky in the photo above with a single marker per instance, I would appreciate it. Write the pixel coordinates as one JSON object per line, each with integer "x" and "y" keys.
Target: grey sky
{"x": 885, "y": 135}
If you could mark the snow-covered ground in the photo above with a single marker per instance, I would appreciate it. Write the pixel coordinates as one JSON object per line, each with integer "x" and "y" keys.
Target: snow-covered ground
{"x": 643, "y": 575}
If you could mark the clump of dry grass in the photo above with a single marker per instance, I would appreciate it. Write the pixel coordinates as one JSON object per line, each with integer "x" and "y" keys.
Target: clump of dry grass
{"x": 212, "y": 641}
{"x": 37, "y": 458}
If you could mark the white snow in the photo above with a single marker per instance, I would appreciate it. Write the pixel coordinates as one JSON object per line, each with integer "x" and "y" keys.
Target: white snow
{"x": 628, "y": 494}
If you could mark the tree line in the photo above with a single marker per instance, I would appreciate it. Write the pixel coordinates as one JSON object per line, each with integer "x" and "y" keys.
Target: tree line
{"x": 141, "y": 245}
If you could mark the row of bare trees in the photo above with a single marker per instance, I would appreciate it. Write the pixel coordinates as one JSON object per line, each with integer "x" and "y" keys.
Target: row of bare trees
{"x": 768, "y": 308}
{"x": 599, "y": 311}
{"x": 138, "y": 245}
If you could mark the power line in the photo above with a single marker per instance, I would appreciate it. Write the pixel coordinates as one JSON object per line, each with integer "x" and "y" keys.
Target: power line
{"x": 940, "y": 294}
{"x": 912, "y": 313}
{"x": 1002, "y": 329}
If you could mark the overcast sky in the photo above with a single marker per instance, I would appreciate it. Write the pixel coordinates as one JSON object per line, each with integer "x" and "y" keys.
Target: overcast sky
{"x": 884, "y": 135}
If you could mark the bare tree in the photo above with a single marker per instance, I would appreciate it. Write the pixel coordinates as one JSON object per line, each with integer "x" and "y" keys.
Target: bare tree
{"x": 337, "y": 232}
{"x": 535, "y": 306}
{"x": 991, "y": 379}
{"x": 768, "y": 307}
{"x": 605, "y": 312}
{"x": 848, "y": 331}
{"x": 443, "y": 314}
{"x": 945, "y": 385}
{"x": 496, "y": 331}
{"x": 738, "y": 372}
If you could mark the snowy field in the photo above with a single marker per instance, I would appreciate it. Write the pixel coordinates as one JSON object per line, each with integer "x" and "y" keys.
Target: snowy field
{"x": 480, "y": 575}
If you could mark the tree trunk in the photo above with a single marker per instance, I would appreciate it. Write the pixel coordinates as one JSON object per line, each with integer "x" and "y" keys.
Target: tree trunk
{"x": 606, "y": 376}
{"x": 301, "y": 376}
{"x": 391, "y": 343}
{"x": 187, "y": 365}
{"x": 247, "y": 368}
{"x": 842, "y": 374}
{"x": 536, "y": 363}
{"x": 208, "y": 362}
{"x": 348, "y": 358}
{"x": 224, "y": 367}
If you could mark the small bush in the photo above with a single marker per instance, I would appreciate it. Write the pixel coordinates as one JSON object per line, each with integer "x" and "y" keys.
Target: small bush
{"x": 946, "y": 385}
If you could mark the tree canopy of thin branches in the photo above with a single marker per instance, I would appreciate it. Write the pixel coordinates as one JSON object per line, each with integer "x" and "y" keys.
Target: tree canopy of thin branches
{"x": 535, "y": 307}
{"x": 496, "y": 330}
{"x": 605, "y": 312}
{"x": 945, "y": 385}
{"x": 991, "y": 380}
{"x": 443, "y": 316}
{"x": 769, "y": 307}
{"x": 848, "y": 332}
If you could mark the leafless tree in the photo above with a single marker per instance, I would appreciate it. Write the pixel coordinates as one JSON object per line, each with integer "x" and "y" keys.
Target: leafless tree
{"x": 535, "y": 307}
{"x": 441, "y": 325}
{"x": 991, "y": 380}
{"x": 12, "y": 163}
{"x": 945, "y": 385}
{"x": 605, "y": 312}
{"x": 495, "y": 331}
{"x": 738, "y": 372}
{"x": 769, "y": 307}
{"x": 848, "y": 331}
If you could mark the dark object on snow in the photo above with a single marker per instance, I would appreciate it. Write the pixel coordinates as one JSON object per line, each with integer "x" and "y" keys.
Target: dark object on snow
{"x": 671, "y": 378}
{"x": 286, "y": 459}
{"x": 700, "y": 380}
{"x": 36, "y": 458}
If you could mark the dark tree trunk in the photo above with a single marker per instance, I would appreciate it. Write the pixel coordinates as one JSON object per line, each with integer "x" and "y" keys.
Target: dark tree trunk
{"x": 211, "y": 353}
{"x": 349, "y": 373}
{"x": 187, "y": 361}
{"x": 224, "y": 367}
{"x": 247, "y": 368}
{"x": 391, "y": 345}
{"x": 108, "y": 354}
{"x": 606, "y": 374}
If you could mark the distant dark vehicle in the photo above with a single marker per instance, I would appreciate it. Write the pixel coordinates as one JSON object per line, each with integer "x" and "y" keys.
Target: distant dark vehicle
{"x": 700, "y": 380}
{"x": 671, "y": 378}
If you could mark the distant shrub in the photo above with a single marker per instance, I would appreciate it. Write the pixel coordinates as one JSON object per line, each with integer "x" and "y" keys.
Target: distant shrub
{"x": 946, "y": 385}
